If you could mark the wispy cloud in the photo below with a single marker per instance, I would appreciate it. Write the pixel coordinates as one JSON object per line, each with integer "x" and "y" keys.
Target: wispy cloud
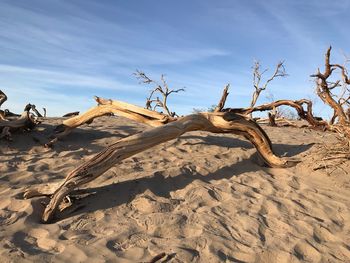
{"x": 54, "y": 51}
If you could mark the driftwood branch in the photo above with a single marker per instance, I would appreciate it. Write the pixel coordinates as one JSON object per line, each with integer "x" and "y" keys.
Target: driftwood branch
{"x": 218, "y": 122}
{"x": 107, "y": 107}
{"x": 25, "y": 122}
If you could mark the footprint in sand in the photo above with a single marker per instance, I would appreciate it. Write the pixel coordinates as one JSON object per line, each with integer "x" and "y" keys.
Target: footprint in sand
{"x": 147, "y": 204}
{"x": 11, "y": 210}
{"x": 44, "y": 242}
{"x": 28, "y": 244}
{"x": 134, "y": 240}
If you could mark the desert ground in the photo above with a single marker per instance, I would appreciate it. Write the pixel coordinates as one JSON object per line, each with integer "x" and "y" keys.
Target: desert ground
{"x": 200, "y": 198}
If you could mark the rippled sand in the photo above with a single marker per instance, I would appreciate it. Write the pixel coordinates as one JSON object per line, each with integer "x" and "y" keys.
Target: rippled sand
{"x": 200, "y": 198}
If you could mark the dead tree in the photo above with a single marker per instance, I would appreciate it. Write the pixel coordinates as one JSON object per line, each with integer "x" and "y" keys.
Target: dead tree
{"x": 325, "y": 89}
{"x": 162, "y": 89}
{"x": 71, "y": 114}
{"x": 257, "y": 78}
{"x": 166, "y": 128}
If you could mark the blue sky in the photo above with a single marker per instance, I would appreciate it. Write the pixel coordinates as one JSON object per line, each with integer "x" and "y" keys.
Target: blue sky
{"x": 59, "y": 54}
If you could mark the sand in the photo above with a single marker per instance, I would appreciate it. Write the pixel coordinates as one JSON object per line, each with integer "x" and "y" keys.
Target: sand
{"x": 199, "y": 198}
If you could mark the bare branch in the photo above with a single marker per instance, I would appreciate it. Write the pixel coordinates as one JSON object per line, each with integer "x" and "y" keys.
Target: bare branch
{"x": 162, "y": 89}
{"x": 280, "y": 71}
{"x": 344, "y": 73}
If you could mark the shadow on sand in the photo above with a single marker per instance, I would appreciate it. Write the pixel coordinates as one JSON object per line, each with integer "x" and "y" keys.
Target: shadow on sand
{"x": 109, "y": 196}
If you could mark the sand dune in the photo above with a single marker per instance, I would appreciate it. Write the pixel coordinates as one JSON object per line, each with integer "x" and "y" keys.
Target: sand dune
{"x": 200, "y": 198}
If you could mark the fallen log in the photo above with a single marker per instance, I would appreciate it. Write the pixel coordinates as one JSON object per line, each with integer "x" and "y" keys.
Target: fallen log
{"x": 217, "y": 122}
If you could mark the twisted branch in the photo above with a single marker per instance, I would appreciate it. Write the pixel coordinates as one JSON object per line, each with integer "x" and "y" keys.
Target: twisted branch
{"x": 218, "y": 122}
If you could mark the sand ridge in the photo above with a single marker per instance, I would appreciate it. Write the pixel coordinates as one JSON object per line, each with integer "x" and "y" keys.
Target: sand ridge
{"x": 199, "y": 198}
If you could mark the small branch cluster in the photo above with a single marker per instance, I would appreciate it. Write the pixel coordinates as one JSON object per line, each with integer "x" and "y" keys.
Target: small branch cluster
{"x": 153, "y": 101}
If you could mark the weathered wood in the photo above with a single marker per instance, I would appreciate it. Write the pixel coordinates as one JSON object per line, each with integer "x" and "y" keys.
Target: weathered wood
{"x": 272, "y": 119}
{"x": 8, "y": 113}
{"x": 323, "y": 88}
{"x": 296, "y": 104}
{"x": 5, "y": 133}
{"x": 71, "y": 114}
{"x": 222, "y": 101}
{"x": 25, "y": 121}
{"x": 105, "y": 107}
{"x": 220, "y": 122}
